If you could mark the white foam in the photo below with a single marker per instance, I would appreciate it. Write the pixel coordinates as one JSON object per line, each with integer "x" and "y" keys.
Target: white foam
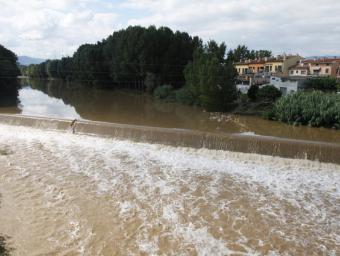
{"x": 311, "y": 187}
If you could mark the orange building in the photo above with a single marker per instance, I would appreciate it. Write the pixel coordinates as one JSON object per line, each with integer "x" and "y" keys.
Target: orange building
{"x": 256, "y": 66}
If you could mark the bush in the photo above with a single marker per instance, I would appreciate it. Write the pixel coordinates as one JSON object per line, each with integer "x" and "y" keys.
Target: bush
{"x": 164, "y": 92}
{"x": 252, "y": 92}
{"x": 269, "y": 93}
{"x": 150, "y": 82}
{"x": 184, "y": 96}
{"x": 325, "y": 84}
{"x": 309, "y": 108}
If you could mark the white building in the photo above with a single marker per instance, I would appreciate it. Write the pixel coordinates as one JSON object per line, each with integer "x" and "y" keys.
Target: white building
{"x": 243, "y": 88}
{"x": 299, "y": 70}
{"x": 287, "y": 85}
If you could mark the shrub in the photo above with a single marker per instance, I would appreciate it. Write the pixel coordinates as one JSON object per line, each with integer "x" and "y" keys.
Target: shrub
{"x": 309, "y": 108}
{"x": 252, "y": 92}
{"x": 325, "y": 84}
{"x": 150, "y": 82}
{"x": 164, "y": 92}
{"x": 269, "y": 93}
{"x": 184, "y": 96}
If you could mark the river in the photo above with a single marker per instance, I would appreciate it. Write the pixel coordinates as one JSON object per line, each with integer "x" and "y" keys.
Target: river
{"x": 76, "y": 194}
{"x": 54, "y": 98}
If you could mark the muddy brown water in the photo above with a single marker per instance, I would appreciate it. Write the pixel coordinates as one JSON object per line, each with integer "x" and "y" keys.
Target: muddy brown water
{"x": 66, "y": 100}
{"x": 80, "y": 194}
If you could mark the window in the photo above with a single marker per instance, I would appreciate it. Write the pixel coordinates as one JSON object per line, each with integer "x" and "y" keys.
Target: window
{"x": 279, "y": 68}
{"x": 303, "y": 72}
{"x": 327, "y": 70}
{"x": 297, "y": 71}
{"x": 292, "y": 72}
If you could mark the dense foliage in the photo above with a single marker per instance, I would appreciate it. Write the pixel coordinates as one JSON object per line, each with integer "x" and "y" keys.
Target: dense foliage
{"x": 309, "y": 108}
{"x": 135, "y": 57}
{"x": 8, "y": 73}
{"x": 164, "y": 92}
{"x": 210, "y": 79}
{"x": 252, "y": 92}
{"x": 8, "y": 64}
{"x": 326, "y": 84}
{"x": 241, "y": 52}
{"x": 268, "y": 93}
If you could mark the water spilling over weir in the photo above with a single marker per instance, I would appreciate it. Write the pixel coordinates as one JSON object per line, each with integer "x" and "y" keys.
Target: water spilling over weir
{"x": 129, "y": 191}
{"x": 273, "y": 146}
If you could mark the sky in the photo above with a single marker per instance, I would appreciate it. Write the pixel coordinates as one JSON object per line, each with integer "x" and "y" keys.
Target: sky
{"x": 56, "y": 28}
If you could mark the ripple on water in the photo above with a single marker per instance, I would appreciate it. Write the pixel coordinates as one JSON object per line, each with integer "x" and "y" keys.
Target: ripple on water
{"x": 96, "y": 196}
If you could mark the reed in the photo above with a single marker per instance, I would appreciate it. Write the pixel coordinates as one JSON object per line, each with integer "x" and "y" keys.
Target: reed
{"x": 316, "y": 109}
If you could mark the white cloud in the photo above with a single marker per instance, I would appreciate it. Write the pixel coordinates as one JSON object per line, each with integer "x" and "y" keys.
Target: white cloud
{"x": 308, "y": 27}
{"x": 51, "y": 29}
{"x": 55, "y": 28}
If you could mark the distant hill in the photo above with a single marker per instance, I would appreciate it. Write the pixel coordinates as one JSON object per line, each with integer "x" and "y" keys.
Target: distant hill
{"x": 324, "y": 56}
{"x": 25, "y": 60}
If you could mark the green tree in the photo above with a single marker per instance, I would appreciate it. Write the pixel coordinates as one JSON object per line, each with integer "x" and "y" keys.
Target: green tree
{"x": 9, "y": 71}
{"x": 252, "y": 92}
{"x": 8, "y": 64}
{"x": 210, "y": 81}
{"x": 241, "y": 52}
{"x": 269, "y": 93}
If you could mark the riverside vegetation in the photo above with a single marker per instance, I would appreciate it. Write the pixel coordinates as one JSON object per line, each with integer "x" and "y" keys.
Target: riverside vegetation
{"x": 177, "y": 67}
{"x": 8, "y": 73}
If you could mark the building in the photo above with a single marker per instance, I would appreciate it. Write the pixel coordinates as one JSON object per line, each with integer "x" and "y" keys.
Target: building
{"x": 242, "y": 68}
{"x": 288, "y": 85}
{"x": 316, "y": 67}
{"x": 257, "y": 72}
{"x": 323, "y": 67}
{"x": 256, "y": 66}
{"x": 281, "y": 64}
{"x": 300, "y": 70}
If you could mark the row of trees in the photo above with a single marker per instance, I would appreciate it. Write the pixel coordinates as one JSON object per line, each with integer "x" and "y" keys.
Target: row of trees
{"x": 127, "y": 58}
{"x": 241, "y": 52}
{"x": 146, "y": 58}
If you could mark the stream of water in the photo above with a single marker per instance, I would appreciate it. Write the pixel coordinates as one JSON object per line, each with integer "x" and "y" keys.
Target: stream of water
{"x": 76, "y": 194}
{"x": 66, "y": 194}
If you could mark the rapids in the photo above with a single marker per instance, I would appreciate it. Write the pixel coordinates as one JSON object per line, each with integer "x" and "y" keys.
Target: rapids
{"x": 72, "y": 194}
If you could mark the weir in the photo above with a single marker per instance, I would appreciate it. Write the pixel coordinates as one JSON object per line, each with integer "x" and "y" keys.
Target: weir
{"x": 272, "y": 146}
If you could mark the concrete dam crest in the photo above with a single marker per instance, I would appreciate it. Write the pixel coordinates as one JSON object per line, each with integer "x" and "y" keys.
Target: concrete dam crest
{"x": 265, "y": 145}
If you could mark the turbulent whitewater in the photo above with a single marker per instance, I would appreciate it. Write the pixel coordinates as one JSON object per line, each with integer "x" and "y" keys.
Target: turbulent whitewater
{"x": 67, "y": 194}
